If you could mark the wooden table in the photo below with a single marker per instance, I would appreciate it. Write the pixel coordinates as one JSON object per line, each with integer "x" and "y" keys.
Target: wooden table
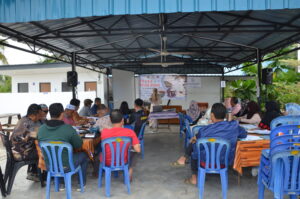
{"x": 88, "y": 146}
{"x": 248, "y": 154}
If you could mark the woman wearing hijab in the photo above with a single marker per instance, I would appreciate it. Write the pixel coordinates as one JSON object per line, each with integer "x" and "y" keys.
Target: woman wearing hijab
{"x": 155, "y": 100}
{"x": 194, "y": 111}
{"x": 253, "y": 114}
{"x": 272, "y": 111}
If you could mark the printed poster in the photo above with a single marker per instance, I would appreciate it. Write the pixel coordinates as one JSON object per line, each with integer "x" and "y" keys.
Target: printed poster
{"x": 169, "y": 86}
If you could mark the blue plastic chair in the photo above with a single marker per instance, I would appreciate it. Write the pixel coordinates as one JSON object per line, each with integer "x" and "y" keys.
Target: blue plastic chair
{"x": 128, "y": 126}
{"x": 285, "y": 130}
{"x": 216, "y": 152}
{"x": 188, "y": 133}
{"x": 181, "y": 124}
{"x": 284, "y": 175}
{"x": 196, "y": 129}
{"x": 52, "y": 152}
{"x": 141, "y": 138}
{"x": 285, "y": 120}
{"x": 117, "y": 163}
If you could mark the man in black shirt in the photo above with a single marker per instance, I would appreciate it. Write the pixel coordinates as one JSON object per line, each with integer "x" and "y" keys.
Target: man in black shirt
{"x": 139, "y": 116}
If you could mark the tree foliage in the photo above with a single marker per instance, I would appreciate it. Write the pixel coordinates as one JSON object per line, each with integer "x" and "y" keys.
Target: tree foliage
{"x": 286, "y": 80}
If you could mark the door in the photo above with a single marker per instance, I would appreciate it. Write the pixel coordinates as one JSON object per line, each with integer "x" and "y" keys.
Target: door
{"x": 45, "y": 87}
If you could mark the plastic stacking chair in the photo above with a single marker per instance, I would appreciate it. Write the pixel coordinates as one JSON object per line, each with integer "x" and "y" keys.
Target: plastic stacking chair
{"x": 285, "y": 120}
{"x": 128, "y": 126}
{"x": 196, "y": 129}
{"x": 279, "y": 132}
{"x": 12, "y": 165}
{"x": 181, "y": 124}
{"x": 188, "y": 133}
{"x": 284, "y": 175}
{"x": 52, "y": 152}
{"x": 216, "y": 152}
{"x": 119, "y": 148}
{"x": 285, "y": 130}
{"x": 141, "y": 138}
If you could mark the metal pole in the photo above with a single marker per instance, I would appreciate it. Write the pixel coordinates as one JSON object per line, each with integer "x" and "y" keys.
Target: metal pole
{"x": 74, "y": 69}
{"x": 259, "y": 67}
{"x": 107, "y": 85}
{"x": 222, "y": 88}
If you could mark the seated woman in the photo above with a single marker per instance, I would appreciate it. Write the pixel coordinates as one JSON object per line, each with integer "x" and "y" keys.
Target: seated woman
{"x": 193, "y": 113}
{"x": 253, "y": 114}
{"x": 124, "y": 109}
{"x": 272, "y": 111}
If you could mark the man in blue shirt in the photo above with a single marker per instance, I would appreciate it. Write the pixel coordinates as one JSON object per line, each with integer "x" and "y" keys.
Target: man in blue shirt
{"x": 230, "y": 131}
{"x": 95, "y": 106}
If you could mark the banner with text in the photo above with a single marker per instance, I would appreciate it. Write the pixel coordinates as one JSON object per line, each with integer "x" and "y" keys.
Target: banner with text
{"x": 169, "y": 86}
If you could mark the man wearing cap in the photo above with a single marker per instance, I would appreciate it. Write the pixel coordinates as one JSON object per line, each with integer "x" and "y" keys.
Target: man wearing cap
{"x": 44, "y": 113}
{"x": 68, "y": 115}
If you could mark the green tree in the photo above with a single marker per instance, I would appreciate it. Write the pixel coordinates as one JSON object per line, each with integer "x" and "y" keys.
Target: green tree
{"x": 3, "y": 59}
{"x": 285, "y": 87}
{"x": 5, "y": 81}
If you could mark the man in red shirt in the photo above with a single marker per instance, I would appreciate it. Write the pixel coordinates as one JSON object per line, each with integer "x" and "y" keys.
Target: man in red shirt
{"x": 117, "y": 130}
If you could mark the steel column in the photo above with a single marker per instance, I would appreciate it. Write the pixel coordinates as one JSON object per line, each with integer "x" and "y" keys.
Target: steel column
{"x": 259, "y": 68}
{"x": 74, "y": 88}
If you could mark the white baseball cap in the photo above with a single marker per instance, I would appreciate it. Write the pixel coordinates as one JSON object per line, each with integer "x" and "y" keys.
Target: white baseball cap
{"x": 70, "y": 107}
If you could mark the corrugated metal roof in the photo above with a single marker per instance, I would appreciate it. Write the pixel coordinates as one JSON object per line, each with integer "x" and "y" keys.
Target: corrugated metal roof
{"x": 12, "y": 11}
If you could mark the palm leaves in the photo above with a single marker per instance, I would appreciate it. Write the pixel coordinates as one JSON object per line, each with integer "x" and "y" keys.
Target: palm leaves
{"x": 2, "y": 56}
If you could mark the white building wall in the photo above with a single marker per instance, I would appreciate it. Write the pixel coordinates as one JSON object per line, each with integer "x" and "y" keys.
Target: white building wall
{"x": 210, "y": 92}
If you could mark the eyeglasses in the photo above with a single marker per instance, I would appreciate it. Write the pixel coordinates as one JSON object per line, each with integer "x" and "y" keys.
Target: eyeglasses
{"x": 45, "y": 111}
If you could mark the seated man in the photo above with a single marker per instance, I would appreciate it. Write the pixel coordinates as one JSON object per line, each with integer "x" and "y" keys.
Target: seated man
{"x": 95, "y": 106}
{"x": 56, "y": 130}
{"x": 79, "y": 120}
{"x": 104, "y": 120}
{"x": 139, "y": 116}
{"x": 118, "y": 130}
{"x": 68, "y": 115}
{"x": 230, "y": 131}
{"x": 44, "y": 113}
{"x": 23, "y": 136}
{"x": 86, "y": 109}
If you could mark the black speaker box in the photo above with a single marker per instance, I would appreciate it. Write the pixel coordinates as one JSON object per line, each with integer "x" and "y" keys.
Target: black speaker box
{"x": 267, "y": 76}
{"x": 72, "y": 78}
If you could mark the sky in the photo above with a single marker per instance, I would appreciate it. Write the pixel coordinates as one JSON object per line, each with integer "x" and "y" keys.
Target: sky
{"x": 15, "y": 56}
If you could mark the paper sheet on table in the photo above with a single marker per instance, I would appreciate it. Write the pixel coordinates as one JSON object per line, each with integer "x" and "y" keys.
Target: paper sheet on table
{"x": 248, "y": 126}
{"x": 89, "y": 135}
{"x": 258, "y": 131}
{"x": 251, "y": 138}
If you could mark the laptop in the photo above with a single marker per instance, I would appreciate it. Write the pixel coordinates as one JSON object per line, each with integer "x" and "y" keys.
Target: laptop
{"x": 157, "y": 108}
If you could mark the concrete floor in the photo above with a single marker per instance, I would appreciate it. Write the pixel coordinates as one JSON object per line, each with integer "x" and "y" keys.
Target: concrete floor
{"x": 153, "y": 178}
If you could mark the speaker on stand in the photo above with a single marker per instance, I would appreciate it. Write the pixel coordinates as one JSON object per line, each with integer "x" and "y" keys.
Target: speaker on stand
{"x": 267, "y": 78}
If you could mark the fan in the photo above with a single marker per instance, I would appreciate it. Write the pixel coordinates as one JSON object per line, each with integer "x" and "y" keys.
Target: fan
{"x": 163, "y": 53}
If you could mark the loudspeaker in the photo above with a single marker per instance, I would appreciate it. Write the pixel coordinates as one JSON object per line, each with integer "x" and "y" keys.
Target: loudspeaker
{"x": 72, "y": 78}
{"x": 267, "y": 76}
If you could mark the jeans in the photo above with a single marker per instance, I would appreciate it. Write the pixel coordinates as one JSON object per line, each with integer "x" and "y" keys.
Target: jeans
{"x": 82, "y": 160}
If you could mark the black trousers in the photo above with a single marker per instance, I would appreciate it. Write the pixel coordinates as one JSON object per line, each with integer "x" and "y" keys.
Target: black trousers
{"x": 188, "y": 154}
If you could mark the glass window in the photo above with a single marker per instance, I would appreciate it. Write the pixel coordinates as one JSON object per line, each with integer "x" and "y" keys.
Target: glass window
{"x": 65, "y": 87}
{"x": 23, "y": 88}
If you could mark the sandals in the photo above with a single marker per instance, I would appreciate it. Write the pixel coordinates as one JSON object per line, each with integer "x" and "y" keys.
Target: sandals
{"x": 176, "y": 164}
{"x": 188, "y": 182}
